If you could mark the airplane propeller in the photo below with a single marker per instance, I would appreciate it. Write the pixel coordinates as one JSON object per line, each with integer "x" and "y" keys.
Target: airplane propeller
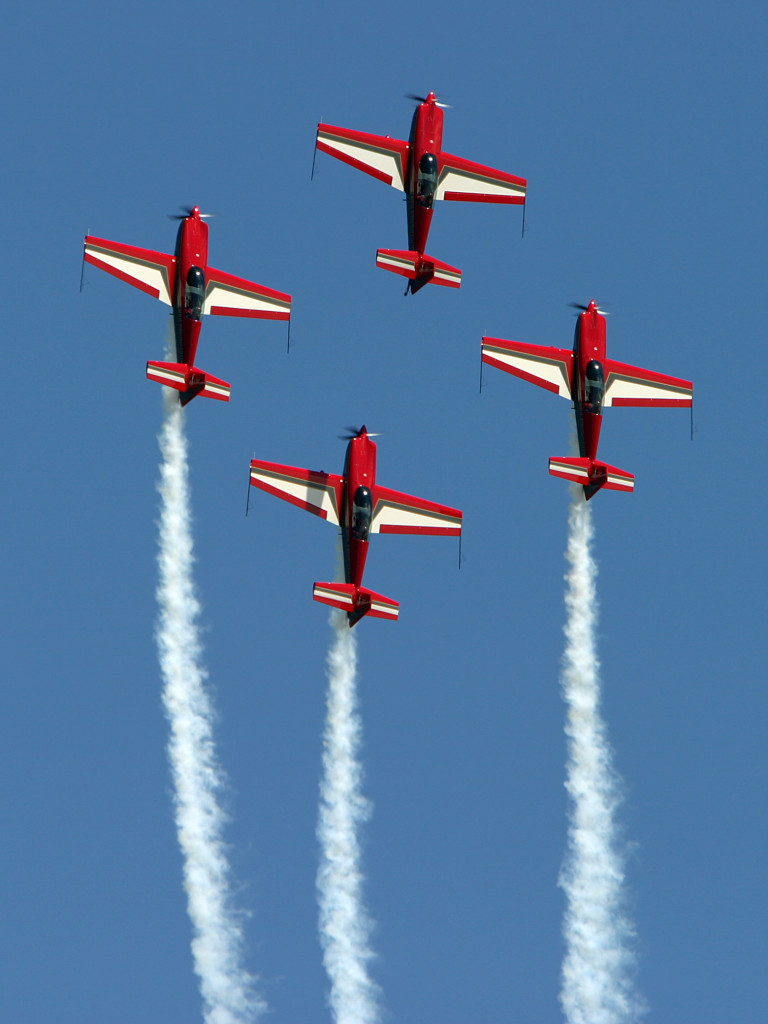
{"x": 580, "y": 306}
{"x": 423, "y": 99}
{"x": 188, "y": 213}
{"x": 353, "y": 432}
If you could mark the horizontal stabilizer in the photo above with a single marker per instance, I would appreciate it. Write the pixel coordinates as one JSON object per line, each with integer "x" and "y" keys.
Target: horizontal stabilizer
{"x": 592, "y": 475}
{"x": 418, "y": 268}
{"x": 189, "y": 380}
{"x": 355, "y": 601}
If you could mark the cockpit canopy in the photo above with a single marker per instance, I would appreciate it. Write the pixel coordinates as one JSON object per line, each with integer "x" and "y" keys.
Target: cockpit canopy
{"x": 362, "y": 511}
{"x": 194, "y": 294}
{"x": 426, "y": 183}
{"x": 594, "y": 387}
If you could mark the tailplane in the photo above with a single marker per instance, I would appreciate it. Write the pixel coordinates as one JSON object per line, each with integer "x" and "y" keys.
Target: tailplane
{"x": 419, "y": 268}
{"x": 355, "y": 601}
{"x": 592, "y": 475}
{"x": 189, "y": 380}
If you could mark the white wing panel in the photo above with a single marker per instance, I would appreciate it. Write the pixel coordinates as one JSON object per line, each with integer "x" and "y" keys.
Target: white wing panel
{"x": 394, "y": 512}
{"x": 315, "y": 492}
{"x": 150, "y": 275}
{"x": 476, "y": 184}
{"x": 624, "y": 389}
{"x": 466, "y": 180}
{"x": 247, "y": 301}
{"x": 383, "y": 157}
{"x": 550, "y": 368}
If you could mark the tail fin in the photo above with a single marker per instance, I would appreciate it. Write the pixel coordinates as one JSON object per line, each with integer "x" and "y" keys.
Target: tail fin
{"x": 355, "y": 601}
{"x": 419, "y": 268}
{"x": 592, "y": 475}
{"x": 189, "y": 380}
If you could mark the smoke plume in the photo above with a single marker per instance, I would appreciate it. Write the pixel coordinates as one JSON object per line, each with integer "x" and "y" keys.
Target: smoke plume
{"x": 344, "y": 925}
{"x": 227, "y": 989}
{"x": 598, "y": 970}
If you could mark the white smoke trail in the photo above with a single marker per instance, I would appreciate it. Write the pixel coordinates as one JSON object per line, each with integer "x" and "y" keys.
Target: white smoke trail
{"x": 597, "y": 975}
{"x": 344, "y": 924}
{"x": 227, "y": 989}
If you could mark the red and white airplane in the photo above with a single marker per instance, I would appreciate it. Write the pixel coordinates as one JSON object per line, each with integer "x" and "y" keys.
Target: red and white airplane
{"x": 192, "y": 288}
{"x": 592, "y": 382}
{"x": 360, "y": 507}
{"x": 421, "y": 170}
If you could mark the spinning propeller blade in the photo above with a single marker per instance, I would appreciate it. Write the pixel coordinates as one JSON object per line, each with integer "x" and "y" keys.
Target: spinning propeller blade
{"x": 188, "y": 211}
{"x": 353, "y": 432}
{"x": 423, "y": 99}
{"x": 583, "y": 309}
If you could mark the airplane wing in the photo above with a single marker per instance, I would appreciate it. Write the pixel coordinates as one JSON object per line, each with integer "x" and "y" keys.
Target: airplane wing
{"x": 319, "y": 493}
{"x": 548, "y": 367}
{"x": 377, "y": 155}
{"x": 152, "y": 272}
{"x": 464, "y": 180}
{"x": 227, "y": 295}
{"x": 629, "y": 385}
{"x": 394, "y": 512}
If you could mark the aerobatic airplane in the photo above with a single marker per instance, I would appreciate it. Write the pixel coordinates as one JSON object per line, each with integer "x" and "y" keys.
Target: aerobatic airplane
{"x": 360, "y": 507}
{"x": 421, "y": 170}
{"x": 192, "y": 288}
{"x": 592, "y": 382}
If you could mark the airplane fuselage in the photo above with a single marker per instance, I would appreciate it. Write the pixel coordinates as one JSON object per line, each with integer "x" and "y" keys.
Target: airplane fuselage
{"x": 588, "y": 384}
{"x": 189, "y": 286}
{"x": 357, "y": 507}
{"x": 425, "y": 143}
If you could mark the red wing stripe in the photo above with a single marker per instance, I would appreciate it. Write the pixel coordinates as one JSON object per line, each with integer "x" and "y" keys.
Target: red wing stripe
{"x": 254, "y": 314}
{"x": 473, "y": 197}
{"x": 433, "y": 531}
{"x": 648, "y": 403}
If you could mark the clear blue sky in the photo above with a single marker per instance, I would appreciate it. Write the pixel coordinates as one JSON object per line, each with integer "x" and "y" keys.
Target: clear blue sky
{"x": 641, "y": 132}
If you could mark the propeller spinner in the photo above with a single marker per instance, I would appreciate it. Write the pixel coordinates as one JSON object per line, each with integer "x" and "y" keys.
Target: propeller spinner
{"x": 188, "y": 212}
{"x": 583, "y": 309}
{"x": 353, "y": 432}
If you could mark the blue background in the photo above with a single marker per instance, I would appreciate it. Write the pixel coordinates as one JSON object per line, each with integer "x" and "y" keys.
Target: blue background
{"x": 641, "y": 132}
